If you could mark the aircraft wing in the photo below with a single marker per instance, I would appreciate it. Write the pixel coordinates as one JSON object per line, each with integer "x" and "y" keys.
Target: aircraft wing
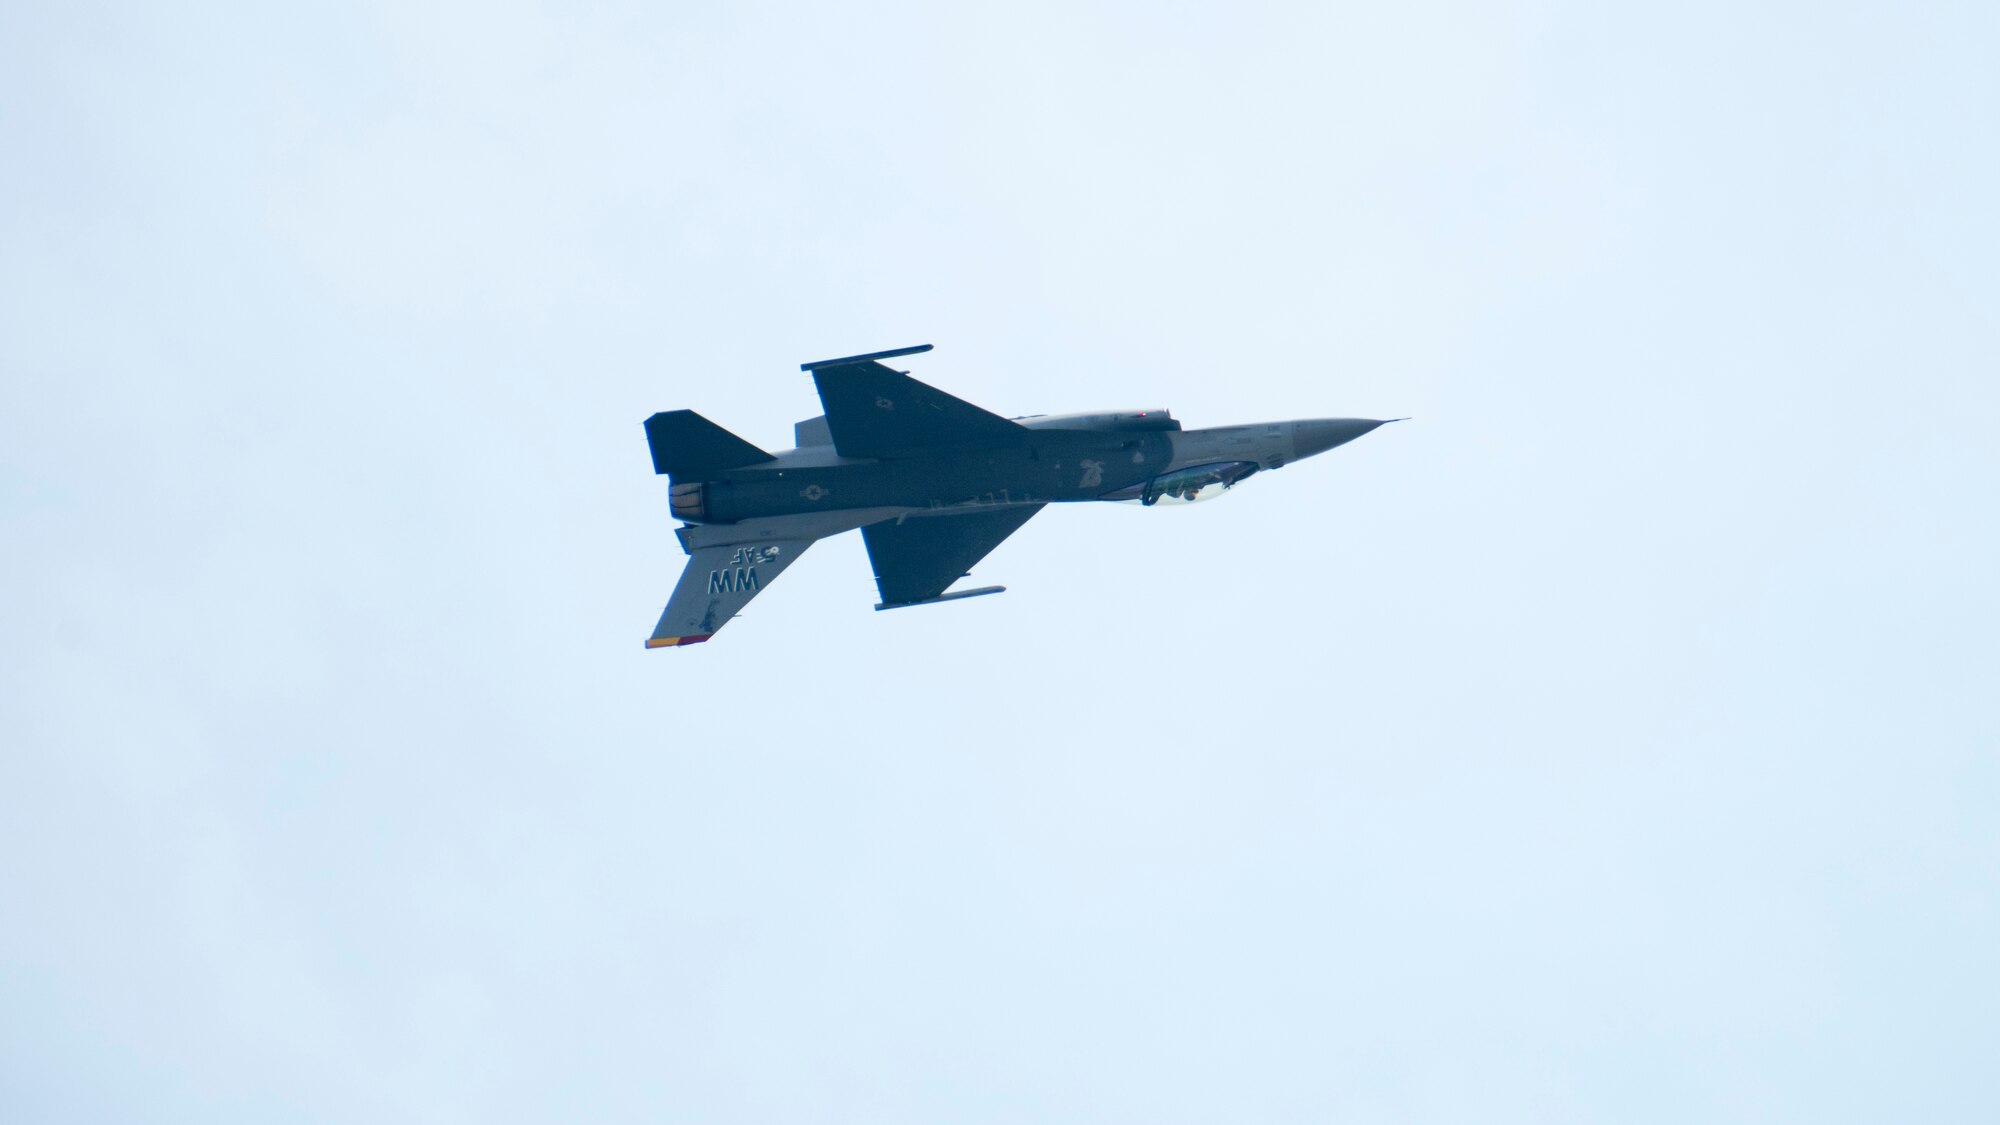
{"x": 916, "y": 558}
{"x": 718, "y": 582}
{"x": 873, "y": 411}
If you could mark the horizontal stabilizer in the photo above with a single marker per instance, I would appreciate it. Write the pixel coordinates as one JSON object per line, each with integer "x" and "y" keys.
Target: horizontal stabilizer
{"x": 687, "y": 445}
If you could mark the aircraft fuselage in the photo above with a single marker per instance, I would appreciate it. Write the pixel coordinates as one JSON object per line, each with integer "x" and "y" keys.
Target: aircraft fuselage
{"x": 933, "y": 483}
{"x": 1044, "y": 465}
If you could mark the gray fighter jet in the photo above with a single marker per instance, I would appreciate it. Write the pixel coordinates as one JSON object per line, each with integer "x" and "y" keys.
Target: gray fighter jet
{"x": 933, "y": 482}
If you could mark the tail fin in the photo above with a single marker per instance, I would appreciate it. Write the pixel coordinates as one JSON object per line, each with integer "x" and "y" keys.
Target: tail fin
{"x": 685, "y": 444}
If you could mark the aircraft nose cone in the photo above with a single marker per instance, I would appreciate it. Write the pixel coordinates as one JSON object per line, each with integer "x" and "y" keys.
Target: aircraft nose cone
{"x": 1321, "y": 434}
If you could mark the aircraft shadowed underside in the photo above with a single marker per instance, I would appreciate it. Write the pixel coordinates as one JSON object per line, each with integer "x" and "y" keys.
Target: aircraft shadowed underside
{"x": 933, "y": 482}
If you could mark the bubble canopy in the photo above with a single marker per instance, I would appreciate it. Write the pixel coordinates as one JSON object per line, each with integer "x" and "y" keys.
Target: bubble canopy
{"x": 1186, "y": 486}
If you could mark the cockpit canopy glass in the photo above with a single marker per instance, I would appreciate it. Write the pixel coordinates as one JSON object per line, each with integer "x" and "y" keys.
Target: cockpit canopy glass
{"x": 1187, "y": 486}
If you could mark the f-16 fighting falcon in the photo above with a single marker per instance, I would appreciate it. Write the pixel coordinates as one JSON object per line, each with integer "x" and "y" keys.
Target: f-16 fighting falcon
{"x": 933, "y": 482}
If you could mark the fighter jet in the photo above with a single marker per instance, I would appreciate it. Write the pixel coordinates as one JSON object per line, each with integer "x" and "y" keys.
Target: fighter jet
{"x": 933, "y": 482}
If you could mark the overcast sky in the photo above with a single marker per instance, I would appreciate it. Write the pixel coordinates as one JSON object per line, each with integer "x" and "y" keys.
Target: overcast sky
{"x": 1616, "y": 741}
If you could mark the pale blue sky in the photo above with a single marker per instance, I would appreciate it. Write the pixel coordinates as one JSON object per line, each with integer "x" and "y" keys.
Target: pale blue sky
{"x": 1614, "y": 742}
